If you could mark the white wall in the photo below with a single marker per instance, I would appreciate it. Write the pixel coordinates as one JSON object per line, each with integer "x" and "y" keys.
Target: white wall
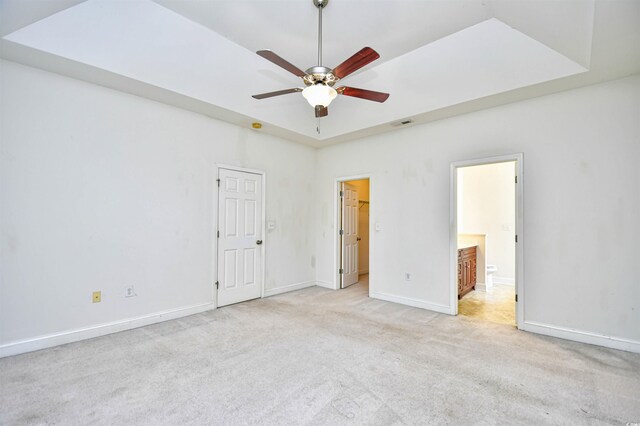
{"x": 487, "y": 205}
{"x": 581, "y": 205}
{"x": 100, "y": 190}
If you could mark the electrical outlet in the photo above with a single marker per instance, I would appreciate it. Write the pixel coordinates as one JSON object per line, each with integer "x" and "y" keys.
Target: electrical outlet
{"x": 96, "y": 297}
{"x": 129, "y": 292}
{"x": 407, "y": 276}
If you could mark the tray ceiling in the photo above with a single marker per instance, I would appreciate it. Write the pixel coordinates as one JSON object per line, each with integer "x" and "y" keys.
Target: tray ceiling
{"x": 438, "y": 58}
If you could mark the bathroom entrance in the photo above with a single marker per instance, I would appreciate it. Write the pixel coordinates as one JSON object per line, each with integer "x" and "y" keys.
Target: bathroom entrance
{"x": 486, "y": 235}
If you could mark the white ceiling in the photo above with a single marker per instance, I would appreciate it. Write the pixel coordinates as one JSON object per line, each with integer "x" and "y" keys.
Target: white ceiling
{"x": 438, "y": 58}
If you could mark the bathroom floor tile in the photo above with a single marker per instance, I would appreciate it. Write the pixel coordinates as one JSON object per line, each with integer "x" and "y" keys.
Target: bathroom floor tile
{"x": 496, "y": 305}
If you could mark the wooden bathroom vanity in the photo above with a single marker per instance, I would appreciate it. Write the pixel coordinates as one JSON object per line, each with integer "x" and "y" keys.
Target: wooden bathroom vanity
{"x": 466, "y": 270}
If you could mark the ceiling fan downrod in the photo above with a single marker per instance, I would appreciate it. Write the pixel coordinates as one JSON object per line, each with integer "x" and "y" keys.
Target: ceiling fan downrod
{"x": 319, "y": 74}
{"x": 320, "y": 4}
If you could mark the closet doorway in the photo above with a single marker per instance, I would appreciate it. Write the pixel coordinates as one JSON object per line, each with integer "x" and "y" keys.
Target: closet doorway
{"x": 353, "y": 232}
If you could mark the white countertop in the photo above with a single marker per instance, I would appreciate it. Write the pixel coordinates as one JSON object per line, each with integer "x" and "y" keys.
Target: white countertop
{"x": 466, "y": 245}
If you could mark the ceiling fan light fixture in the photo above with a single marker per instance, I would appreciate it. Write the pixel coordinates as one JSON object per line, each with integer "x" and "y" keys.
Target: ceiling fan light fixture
{"x": 319, "y": 94}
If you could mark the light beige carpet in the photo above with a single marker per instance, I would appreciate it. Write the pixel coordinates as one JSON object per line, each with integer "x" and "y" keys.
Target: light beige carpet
{"x": 318, "y": 356}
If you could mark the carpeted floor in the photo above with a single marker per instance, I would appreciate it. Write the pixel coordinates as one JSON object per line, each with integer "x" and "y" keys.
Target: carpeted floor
{"x": 496, "y": 305}
{"x": 317, "y": 356}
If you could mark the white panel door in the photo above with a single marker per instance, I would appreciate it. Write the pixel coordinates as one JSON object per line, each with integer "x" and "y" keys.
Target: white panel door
{"x": 349, "y": 234}
{"x": 240, "y": 236}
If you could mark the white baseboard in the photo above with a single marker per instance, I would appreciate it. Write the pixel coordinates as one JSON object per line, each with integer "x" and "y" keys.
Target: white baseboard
{"x": 504, "y": 280}
{"x": 481, "y": 286}
{"x": 287, "y": 288}
{"x": 325, "y": 284}
{"x": 71, "y": 336}
{"x": 582, "y": 336}
{"x": 411, "y": 302}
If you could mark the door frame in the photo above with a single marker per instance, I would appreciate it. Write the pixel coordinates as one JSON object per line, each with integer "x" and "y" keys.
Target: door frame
{"x": 336, "y": 227}
{"x": 216, "y": 225}
{"x": 519, "y": 231}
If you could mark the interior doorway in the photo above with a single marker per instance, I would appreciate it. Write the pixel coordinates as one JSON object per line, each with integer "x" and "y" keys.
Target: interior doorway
{"x": 239, "y": 235}
{"x": 486, "y": 239}
{"x": 353, "y": 236}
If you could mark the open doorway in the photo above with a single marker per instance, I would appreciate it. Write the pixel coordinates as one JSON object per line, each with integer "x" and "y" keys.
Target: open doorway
{"x": 487, "y": 219}
{"x": 353, "y": 234}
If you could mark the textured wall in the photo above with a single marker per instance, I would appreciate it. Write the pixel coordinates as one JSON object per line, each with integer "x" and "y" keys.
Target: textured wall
{"x": 581, "y": 203}
{"x": 100, "y": 190}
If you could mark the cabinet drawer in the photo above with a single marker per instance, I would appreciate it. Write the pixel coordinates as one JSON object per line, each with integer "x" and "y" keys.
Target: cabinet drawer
{"x": 469, "y": 251}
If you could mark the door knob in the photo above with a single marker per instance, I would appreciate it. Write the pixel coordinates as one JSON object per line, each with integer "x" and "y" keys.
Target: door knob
{"x": 359, "y": 238}
{"x": 259, "y": 242}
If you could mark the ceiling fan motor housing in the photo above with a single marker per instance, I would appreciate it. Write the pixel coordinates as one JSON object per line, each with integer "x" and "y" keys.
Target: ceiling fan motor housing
{"x": 319, "y": 75}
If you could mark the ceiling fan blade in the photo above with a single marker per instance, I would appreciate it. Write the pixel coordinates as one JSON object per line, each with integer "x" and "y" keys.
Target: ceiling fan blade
{"x": 321, "y": 111}
{"x": 276, "y": 93}
{"x": 365, "y": 56}
{"x": 369, "y": 95}
{"x": 271, "y": 56}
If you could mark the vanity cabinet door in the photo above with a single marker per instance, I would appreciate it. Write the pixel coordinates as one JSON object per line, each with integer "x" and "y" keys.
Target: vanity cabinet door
{"x": 466, "y": 270}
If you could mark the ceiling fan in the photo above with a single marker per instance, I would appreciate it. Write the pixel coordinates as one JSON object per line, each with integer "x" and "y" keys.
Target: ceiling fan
{"x": 319, "y": 80}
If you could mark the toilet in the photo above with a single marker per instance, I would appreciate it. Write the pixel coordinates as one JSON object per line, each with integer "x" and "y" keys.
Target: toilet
{"x": 491, "y": 269}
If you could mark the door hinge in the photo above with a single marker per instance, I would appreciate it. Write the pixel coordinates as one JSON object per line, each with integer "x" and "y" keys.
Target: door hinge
{"x": 342, "y": 193}
{"x": 218, "y": 234}
{"x": 516, "y": 179}
{"x": 516, "y": 297}
{"x": 516, "y": 238}
{"x": 342, "y": 232}
{"x": 341, "y": 271}
{"x": 218, "y": 180}
{"x": 217, "y": 284}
